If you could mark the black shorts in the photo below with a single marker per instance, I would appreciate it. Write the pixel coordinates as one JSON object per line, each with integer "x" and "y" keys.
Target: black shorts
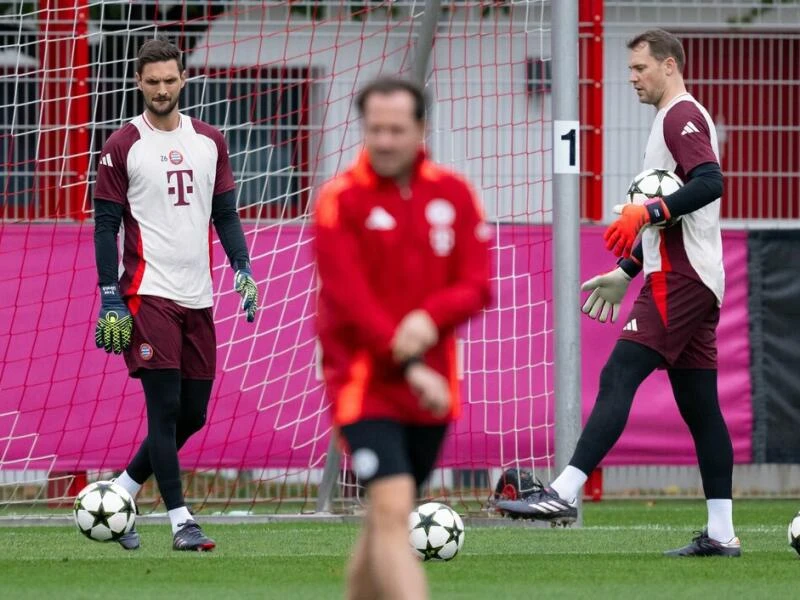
{"x": 381, "y": 448}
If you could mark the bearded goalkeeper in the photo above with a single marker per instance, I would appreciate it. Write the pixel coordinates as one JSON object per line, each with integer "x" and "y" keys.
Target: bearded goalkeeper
{"x": 165, "y": 177}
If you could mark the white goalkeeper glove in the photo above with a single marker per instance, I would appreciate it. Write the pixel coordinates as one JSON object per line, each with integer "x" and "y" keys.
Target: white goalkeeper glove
{"x": 608, "y": 290}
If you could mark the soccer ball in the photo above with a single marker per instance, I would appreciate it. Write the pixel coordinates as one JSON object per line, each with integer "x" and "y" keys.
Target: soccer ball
{"x": 794, "y": 533}
{"x": 653, "y": 183}
{"x": 104, "y": 511}
{"x": 436, "y": 531}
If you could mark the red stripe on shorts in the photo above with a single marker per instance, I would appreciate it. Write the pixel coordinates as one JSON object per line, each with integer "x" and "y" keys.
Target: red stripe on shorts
{"x": 134, "y": 303}
{"x": 658, "y": 283}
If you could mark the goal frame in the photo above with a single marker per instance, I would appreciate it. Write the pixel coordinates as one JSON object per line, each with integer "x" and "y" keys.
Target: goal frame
{"x": 566, "y": 242}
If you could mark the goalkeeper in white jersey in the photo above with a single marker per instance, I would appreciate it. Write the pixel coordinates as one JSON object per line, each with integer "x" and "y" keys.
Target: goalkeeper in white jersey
{"x": 166, "y": 178}
{"x": 676, "y": 241}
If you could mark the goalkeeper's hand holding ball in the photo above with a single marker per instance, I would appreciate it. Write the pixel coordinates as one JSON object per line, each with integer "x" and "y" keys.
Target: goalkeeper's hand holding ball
{"x": 114, "y": 323}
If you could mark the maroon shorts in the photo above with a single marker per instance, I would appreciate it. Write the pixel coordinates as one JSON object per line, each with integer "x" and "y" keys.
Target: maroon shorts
{"x": 677, "y": 317}
{"x": 169, "y": 336}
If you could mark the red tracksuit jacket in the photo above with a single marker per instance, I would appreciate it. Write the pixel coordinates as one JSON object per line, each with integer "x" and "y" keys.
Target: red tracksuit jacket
{"x": 382, "y": 252}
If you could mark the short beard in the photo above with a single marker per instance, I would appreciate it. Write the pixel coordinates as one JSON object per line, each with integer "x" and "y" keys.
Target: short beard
{"x": 161, "y": 112}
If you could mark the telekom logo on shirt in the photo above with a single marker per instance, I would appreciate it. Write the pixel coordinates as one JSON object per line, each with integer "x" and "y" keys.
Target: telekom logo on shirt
{"x": 183, "y": 185}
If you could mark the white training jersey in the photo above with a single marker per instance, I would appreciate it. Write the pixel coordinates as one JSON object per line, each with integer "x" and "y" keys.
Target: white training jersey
{"x": 165, "y": 181}
{"x": 683, "y": 137}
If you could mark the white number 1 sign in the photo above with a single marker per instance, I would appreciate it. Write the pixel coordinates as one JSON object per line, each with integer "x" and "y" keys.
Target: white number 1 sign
{"x": 566, "y": 147}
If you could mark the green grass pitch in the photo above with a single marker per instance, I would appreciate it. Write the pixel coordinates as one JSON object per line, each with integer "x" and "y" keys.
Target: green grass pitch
{"x": 616, "y": 555}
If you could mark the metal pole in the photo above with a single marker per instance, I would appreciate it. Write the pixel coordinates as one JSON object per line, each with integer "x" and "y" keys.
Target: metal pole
{"x": 566, "y": 229}
{"x": 327, "y": 487}
{"x": 430, "y": 18}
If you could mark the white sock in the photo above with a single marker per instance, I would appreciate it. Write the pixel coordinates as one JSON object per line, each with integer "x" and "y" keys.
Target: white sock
{"x": 568, "y": 485}
{"x": 179, "y": 516}
{"x": 720, "y": 520}
{"x": 131, "y": 486}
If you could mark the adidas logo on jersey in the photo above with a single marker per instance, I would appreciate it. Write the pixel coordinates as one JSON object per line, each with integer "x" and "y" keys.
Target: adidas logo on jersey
{"x": 106, "y": 160}
{"x": 689, "y": 128}
{"x": 631, "y": 326}
{"x": 380, "y": 220}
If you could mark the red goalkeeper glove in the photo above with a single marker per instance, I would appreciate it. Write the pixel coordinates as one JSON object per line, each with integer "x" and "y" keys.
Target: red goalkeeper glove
{"x": 621, "y": 234}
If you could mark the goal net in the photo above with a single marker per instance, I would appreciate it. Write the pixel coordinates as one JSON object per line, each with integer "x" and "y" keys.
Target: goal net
{"x": 278, "y": 79}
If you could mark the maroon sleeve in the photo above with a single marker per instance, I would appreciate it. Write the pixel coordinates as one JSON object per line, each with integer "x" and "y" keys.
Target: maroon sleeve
{"x": 223, "y": 181}
{"x": 470, "y": 291}
{"x": 112, "y": 166}
{"x": 687, "y": 137}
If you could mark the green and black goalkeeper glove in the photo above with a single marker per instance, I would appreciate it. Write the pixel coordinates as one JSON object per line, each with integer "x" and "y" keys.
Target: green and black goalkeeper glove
{"x": 245, "y": 286}
{"x": 114, "y": 323}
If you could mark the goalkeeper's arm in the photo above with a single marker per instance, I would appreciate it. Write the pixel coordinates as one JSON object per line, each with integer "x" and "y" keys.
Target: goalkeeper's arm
{"x": 632, "y": 264}
{"x": 229, "y": 229}
{"x": 114, "y": 323}
{"x": 704, "y": 185}
{"x": 231, "y": 236}
{"x": 107, "y": 220}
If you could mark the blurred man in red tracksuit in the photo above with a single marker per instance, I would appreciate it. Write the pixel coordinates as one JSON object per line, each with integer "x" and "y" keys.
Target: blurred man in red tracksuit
{"x": 402, "y": 256}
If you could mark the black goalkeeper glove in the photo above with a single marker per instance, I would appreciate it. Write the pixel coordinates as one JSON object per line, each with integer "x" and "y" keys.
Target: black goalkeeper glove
{"x": 114, "y": 323}
{"x": 245, "y": 286}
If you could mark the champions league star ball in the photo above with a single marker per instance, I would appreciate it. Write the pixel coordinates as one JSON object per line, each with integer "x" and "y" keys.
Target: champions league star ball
{"x": 104, "y": 511}
{"x": 653, "y": 183}
{"x": 436, "y": 532}
{"x": 794, "y": 533}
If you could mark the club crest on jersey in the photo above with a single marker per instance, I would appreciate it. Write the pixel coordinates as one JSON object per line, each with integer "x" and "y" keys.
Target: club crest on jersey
{"x": 146, "y": 351}
{"x": 175, "y": 157}
{"x": 440, "y": 213}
